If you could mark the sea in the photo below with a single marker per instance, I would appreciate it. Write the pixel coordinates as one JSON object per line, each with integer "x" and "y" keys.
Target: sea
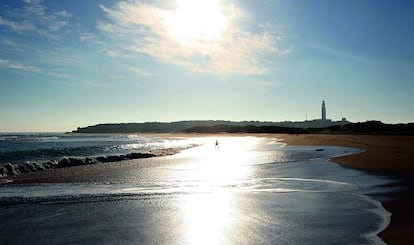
{"x": 243, "y": 190}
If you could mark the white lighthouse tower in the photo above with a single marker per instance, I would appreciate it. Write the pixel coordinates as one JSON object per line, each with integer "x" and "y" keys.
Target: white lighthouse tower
{"x": 323, "y": 111}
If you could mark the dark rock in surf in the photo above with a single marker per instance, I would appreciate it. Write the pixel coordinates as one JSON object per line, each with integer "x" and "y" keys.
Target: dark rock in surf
{"x": 77, "y": 161}
{"x": 115, "y": 158}
{"x": 39, "y": 166}
{"x": 11, "y": 169}
{"x": 51, "y": 164}
{"x": 26, "y": 168}
{"x": 137, "y": 155}
{"x": 65, "y": 162}
{"x": 3, "y": 172}
{"x": 30, "y": 166}
{"x": 89, "y": 161}
{"x": 101, "y": 159}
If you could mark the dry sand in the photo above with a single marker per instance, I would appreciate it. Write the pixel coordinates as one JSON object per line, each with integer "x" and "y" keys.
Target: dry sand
{"x": 382, "y": 153}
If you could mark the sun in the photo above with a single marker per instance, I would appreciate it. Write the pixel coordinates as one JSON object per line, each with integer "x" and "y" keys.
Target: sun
{"x": 197, "y": 21}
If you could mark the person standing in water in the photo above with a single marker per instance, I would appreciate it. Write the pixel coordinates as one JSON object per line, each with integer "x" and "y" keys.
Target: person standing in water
{"x": 217, "y": 145}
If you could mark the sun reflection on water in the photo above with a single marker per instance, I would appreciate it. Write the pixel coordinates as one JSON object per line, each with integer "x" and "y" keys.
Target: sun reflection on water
{"x": 208, "y": 217}
{"x": 209, "y": 211}
{"x": 230, "y": 161}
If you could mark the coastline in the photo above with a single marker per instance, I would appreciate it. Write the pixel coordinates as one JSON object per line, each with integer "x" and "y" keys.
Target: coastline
{"x": 389, "y": 155}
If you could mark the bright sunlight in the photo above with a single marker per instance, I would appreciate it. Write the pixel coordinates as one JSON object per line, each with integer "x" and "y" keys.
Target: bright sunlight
{"x": 197, "y": 21}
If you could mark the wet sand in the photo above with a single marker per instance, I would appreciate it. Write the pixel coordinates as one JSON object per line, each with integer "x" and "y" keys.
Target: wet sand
{"x": 393, "y": 155}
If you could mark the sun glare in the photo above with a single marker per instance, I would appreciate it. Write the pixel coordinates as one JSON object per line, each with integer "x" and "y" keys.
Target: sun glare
{"x": 197, "y": 21}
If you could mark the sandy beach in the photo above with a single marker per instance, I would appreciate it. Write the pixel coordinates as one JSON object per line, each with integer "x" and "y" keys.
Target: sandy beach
{"x": 386, "y": 154}
{"x": 383, "y": 154}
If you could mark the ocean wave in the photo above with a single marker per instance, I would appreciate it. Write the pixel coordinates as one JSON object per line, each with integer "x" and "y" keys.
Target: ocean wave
{"x": 10, "y": 169}
{"x": 20, "y": 156}
{"x": 30, "y": 137}
{"x": 67, "y": 137}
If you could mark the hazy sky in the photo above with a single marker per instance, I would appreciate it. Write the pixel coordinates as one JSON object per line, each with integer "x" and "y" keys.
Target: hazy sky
{"x": 71, "y": 63}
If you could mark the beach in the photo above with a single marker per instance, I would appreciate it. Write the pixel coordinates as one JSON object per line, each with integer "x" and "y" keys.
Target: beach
{"x": 296, "y": 178}
{"x": 391, "y": 155}
{"x": 206, "y": 122}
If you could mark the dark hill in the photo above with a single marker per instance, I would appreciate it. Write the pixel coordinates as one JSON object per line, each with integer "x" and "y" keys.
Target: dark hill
{"x": 159, "y": 127}
{"x": 246, "y": 129}
{"x": 369, "y": 127}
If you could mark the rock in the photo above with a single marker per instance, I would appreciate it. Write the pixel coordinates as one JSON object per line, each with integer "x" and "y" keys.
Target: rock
{"x": 70, "y": 162}
{"x": 25, "y": 168}
{"x": 63, "y": 163}
{"x": 114, "y": 158}
{"x": 3, "y": 172}
{"x": 137, "y": 155}
{"x": 45, "y": 165}
{"x": 89, "y": 161}
{"x": 30, "y": 166}
{"x": 101, "y": 159}
{"x": 76, "y": 161}
{"x": 50, "y": 164}
{"x": 39, "y": 166}
{"x": 11, "y": 169}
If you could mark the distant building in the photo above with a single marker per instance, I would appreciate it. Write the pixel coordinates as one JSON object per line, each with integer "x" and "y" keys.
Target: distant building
{"x": 323, "y": 110}
{"x": 316, "y": 123}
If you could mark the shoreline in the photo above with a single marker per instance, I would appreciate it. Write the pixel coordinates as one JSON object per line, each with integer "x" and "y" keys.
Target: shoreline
{"x": 388, "y": 155}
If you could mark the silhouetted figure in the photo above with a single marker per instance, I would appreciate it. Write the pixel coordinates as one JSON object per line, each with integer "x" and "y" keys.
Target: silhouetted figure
{"x": 217, "y": 145}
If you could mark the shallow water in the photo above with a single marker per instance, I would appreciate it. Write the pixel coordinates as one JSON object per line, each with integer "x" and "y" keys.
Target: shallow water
{"x": 18, "y": 148}
{"x": 249, "y": 191}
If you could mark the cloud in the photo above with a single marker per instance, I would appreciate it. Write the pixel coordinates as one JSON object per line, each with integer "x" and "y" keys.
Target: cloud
{"x": 34, "y": 17}
{"x": 7, "y": 64}
{"x": 26, "y": 25}
{"x": 17, "y": 66}
{"x": 16, "y": 26}
{"x": 339, "y": 53}
{"x": 92, "y": 38}
{"x": 32, "y": 1}
{"x": 144, "y": 28}
{"x": 140, "y": 71}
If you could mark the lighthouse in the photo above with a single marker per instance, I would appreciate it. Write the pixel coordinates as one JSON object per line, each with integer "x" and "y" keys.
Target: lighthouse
{"x": 323, "y": 110}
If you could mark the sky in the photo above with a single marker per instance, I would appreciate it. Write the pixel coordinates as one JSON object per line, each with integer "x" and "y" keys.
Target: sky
{"x": 73, "y": 63}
